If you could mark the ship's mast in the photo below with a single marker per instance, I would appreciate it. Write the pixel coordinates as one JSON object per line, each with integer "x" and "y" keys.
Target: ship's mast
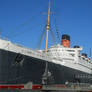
{"x": 47, "y": 28}
{"x": 45, "y": 75}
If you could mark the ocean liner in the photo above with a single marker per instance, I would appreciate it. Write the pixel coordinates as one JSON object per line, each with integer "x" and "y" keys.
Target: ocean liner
{"x": 58, "y": 64}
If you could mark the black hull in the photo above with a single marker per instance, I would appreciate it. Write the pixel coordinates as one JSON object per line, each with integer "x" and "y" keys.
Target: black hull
{"x": 32, "y": 69}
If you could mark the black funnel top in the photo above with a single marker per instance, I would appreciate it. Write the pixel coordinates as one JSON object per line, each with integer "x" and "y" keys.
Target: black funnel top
{"x": 65, "y": 37}
{"x": 76, "y": 46}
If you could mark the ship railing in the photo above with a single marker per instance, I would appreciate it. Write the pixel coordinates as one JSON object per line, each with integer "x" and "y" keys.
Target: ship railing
{"x": 3, "y": 38}
{"x": 39, "y": 55}
{"x": 45, "y": 57}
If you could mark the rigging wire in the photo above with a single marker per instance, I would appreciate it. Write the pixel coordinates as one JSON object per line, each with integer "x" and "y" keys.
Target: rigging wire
{"x": 43, "y": 35}
{"x": 57, "y": 31}
{"x": 90, "y": 53}
{"x": 52, "y": 36}
{"x": 12, "y": 34}
{"x": 41, "y": 38}
{"x": 17, "y": 33}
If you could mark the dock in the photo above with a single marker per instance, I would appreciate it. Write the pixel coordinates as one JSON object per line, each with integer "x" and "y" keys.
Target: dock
{"x": 29, "y": 87}
{"x": 75, "y": 87}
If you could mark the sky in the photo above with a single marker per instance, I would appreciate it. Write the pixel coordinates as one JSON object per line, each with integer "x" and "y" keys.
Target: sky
{"x": 23, "y": 21}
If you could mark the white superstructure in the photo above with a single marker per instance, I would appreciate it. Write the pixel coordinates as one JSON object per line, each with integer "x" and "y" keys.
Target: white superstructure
{"x": 69, "y": 57}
